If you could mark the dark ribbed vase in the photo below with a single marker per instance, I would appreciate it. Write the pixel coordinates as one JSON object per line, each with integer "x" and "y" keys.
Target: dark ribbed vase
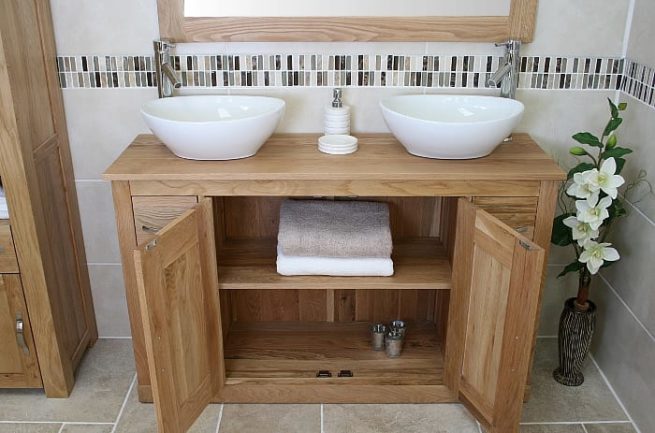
{"x": 575, "y": 331}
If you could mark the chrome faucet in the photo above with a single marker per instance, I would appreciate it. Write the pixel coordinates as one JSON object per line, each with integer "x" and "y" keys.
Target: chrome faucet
{"x": 507, "y": 74}
{"x": 166, "y": 78}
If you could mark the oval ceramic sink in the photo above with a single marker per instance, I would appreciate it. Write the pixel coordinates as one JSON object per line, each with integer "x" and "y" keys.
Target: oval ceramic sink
{"x": 451, "y": 126}
{"x": 213, "y": 127}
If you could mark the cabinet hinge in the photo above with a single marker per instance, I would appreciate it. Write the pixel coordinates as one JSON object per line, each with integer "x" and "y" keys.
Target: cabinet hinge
{"x": 525, "y": 245}
{"x": 150, "y": 245}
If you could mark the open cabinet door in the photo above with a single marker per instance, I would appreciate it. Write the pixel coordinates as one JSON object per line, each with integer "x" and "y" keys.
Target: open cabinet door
{"x": 178, "y": 293}
{"x": 498, "y": 273}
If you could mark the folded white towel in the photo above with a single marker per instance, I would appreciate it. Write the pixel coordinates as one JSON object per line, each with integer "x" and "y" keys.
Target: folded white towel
{"x": 334, "y": 266}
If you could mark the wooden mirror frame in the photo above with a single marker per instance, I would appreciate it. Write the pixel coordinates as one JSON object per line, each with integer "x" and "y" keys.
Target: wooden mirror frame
{"x": 518, "y": 25}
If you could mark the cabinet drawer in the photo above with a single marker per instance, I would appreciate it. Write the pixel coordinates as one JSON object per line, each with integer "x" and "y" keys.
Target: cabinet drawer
{"x": 520, "y": 213}
{"x": 151, "y": 213}
{"x": 8, "y": 261}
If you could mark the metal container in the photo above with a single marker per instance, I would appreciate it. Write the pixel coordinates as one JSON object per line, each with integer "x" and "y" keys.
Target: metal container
{"x": 400, "y": 326}
{"x": 377, "y": 336}
{"x": 393, "y": 343}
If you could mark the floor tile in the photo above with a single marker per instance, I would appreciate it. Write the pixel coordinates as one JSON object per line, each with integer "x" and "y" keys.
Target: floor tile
{"x": 102, "y": 381}
{"x": 29, "y": 428}
{"x": 140, "y": 417}
{"x": 552, "y": 402}
{"x": 610, "y": 428}
{"x": 552, "y": 428}
{"x": 87, "y": 428}
{"x": 393, "y": 418}
{"x": 271, "y": 418}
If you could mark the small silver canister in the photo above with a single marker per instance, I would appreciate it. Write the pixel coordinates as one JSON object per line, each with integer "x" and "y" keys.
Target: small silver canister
{"x": 400, "y": 326}
{"x": 377, "y": 336}
{"x": 393, "y": 343}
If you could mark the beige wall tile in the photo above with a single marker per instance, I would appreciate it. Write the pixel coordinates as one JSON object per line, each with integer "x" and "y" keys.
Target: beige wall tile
{"x": 105, "y": 27}
{"x": 556, "y": 291}
{"x": 579, "y": 28}
{"x": 642, "y": 33}
{"x": 632, "y": 276}
{"x": 637, "y": 133}
{"x": 109, "y": 300}
{"x": 98, "y": 221}
{"x": 271, "y": 418}
{"x": 101, "y": 124}
{"x": 392, "y": 418}
{"x": 626, "y": 354}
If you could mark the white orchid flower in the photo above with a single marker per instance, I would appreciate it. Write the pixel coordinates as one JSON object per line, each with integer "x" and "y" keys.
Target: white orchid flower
{"x": 582, "y": 232}
{"x": 606, "y": 179}
{"x": 593, "y": 212}
{"x": 595, "y": 254}
{"x": 582, "y": 187}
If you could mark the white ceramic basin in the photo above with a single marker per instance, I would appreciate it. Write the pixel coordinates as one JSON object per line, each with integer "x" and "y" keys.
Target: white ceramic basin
{"x": 451, "y": 126}
{"x": 213, "y": 127}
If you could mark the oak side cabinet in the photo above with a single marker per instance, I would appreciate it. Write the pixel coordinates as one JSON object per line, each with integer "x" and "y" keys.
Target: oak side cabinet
{"x": 46, "y": 311}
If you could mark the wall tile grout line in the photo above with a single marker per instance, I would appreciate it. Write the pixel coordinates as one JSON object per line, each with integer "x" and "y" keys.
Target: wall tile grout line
{"x": 616, "y": 396}
{"x": 61, "y": 429}
{"x": 584, "y": 428}
{"x": 56, "y": 422}
{"x": 125, "y": 400}
{"x": 627, "y": 307}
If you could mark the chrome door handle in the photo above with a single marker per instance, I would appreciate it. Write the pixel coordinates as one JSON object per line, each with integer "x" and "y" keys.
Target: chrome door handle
{"x": 20, "y": 334}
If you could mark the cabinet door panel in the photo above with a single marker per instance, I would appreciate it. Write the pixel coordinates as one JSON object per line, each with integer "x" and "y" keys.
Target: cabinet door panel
{"x": 499, "y": 292}
{"x": 178, "y": 293}
{"x": 18, "y": 363}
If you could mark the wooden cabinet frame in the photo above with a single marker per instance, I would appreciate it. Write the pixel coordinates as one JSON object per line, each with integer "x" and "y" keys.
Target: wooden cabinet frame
{"x": 518, "y": 183}
{"x": 519, "y": 24}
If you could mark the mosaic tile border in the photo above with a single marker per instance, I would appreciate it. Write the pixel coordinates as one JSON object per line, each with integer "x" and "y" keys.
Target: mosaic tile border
{"x": 639, "y": 82}
{"x": 316, "y": 70}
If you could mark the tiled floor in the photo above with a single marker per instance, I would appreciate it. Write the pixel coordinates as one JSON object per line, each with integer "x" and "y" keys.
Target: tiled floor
{"x": 104, "y": 401}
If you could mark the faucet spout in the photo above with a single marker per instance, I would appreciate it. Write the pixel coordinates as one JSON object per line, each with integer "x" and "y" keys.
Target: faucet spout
{"x": 500, "y": 74}
{"x": 167, "y": 70}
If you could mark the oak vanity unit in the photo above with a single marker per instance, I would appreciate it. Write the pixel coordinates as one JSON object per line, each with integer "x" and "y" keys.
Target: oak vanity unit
{"x": 213, "y": 322}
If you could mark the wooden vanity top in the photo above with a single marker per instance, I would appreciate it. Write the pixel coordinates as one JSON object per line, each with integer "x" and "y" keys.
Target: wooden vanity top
{"x": 295, "y": 157}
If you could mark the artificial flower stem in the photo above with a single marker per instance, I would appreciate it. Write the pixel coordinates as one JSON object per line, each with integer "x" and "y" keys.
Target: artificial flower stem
{"x": 581, "y": 302}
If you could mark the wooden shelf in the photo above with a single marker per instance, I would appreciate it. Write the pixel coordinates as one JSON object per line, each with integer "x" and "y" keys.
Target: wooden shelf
{"x": 429, "y": 276}
{"x": 291, "y": 353}
{"x": 419, "y": 264}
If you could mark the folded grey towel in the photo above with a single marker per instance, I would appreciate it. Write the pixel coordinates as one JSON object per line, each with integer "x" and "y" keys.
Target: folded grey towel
{"x": 324, "y": 228}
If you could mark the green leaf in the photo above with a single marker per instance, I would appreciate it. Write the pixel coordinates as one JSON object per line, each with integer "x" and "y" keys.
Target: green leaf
{"x": 612, "y": 125}
{"x": 583, "y": 166}
{"x": 620, "y": 163}
{"x": 562, "y": 235}
{"x": 587, "y": 138}
{"x": 577, "y": 151}
{"x": 616, "y": 152}
{"x": 623, "y": 106}
{"x": 612, "y": 141}
{"x": 573, "y": 267}
{"x": 616, "y": 209}
{"x": 613, "y": 108}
